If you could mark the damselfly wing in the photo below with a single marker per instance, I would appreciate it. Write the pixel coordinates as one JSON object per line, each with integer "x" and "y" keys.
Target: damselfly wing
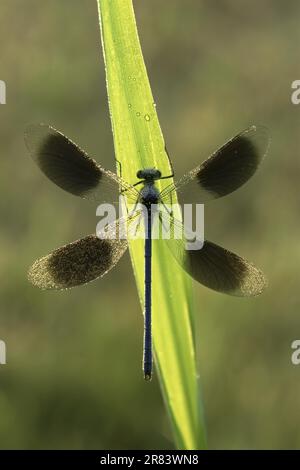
{"x": 213, "y": 266}
{"x": 70, "y": 167}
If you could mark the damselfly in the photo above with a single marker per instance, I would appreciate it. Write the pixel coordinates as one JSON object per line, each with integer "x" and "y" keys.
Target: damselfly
{"x": 92, "y": 257}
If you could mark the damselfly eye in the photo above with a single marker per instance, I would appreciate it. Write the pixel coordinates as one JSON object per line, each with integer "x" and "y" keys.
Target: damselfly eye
{"x": 149, "y": 174}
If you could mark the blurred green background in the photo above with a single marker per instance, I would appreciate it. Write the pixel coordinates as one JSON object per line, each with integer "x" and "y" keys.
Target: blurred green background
{"x": 73, "y": 377}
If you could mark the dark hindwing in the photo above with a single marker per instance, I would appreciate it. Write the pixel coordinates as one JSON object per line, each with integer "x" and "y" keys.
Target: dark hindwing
{"x": 224, "y": 271}
{"x": 76, "y": 263}
{"x": 213, "y": 266}
{"x": 86, "y": 259}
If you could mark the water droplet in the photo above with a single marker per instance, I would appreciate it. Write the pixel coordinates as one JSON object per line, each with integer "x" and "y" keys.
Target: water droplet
{"x": 138, "y": 114}
{"x": 147, "y": 117}
{"x": 129, "y": 105}
{"x": 154, "y": 104}
{"x": 134, "y": 79}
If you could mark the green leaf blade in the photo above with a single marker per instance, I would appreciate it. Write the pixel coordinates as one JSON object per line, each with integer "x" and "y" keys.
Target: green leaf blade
{"x": 139, "y": 143}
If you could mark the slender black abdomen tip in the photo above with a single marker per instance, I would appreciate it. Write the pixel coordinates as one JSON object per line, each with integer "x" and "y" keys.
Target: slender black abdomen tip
{"x": 148, "y": 376}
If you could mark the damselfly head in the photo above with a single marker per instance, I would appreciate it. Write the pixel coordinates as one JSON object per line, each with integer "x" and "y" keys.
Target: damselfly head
{"x": 149, "y": 174}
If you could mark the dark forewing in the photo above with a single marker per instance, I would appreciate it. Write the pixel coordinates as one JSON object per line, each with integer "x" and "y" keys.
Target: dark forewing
{"x": 228, "y": 168}
{"x": 76, "y": 263}
{"x": 69, "y": 167}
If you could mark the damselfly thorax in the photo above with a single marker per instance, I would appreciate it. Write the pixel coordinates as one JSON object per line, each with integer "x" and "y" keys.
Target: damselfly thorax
{"x": 149, "y": 194}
